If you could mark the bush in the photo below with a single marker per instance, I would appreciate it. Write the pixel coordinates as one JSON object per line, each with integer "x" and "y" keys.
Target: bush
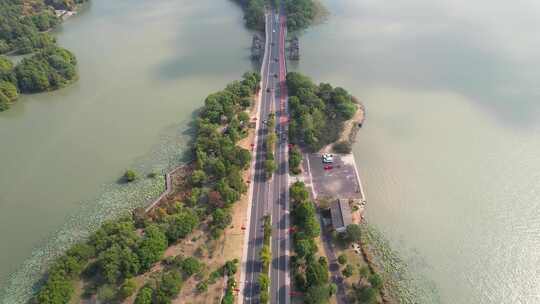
{"x": 106, "y": 294}
{"x": 202, "y": 287}
{"x": 376, "y": 281}
{"x": 191, "y": 266}
{"x": 130, "y": 176}
{"x": 145, "y": 295}
{"x": 342, "y": 259}
{"x": 348, "y": 271}
{"x": 127, "y": 289}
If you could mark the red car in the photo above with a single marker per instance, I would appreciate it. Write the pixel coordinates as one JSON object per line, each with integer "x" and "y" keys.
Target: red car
{"x": 328, "y": 167}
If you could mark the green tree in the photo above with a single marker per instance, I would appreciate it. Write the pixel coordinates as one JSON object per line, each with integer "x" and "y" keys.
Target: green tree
{"x": 127, "y": 289}
{"x": 298, "y": 192}
{"x": 317, "y": 295}
{"x": 145, "y": 295}
{"x": 198, "y": 177}
{"x": 221, "y": 218}
{"x": 181, "y": 224}
{"x": 348, "y": 271}
{"x": 151, "y": 246}
{"x": 342, "y": 259}
{"x": 376, "y": 281}
{"x": 191, "y": 266}
{"x": 353, "y": 233}
{"x": 106, "y": 294}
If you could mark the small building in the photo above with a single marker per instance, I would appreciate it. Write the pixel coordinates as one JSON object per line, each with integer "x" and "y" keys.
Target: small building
{"x": 341, "y": 215}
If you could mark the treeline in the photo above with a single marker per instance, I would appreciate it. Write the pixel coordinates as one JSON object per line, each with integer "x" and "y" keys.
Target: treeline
{"x": 48, "y": 69}
{"x": 253, "y": 13}
{"x": 129, "y": 246}
{"x": 23, "y": 23}
{"x": 270, "y": 163}
{"x": 266, "y": 258}
{"x": 300, "y": 13}
{"x": 310, "y": 273}
{"x": 23, "y": 27}
{"x": 317, "y": 111}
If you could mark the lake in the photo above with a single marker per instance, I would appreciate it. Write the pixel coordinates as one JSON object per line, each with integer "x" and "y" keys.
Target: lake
{"x": 145, "y": 67}
{"x": 449, "y": 153}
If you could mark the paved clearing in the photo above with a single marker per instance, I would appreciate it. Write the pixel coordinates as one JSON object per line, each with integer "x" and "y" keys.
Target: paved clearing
{"x": 339, "y": 182}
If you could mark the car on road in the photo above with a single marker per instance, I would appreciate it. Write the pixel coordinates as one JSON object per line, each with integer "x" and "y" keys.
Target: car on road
{"x": 275, "y": 75}
{"x": 327, "y": 158}
{"x": 328, "y": 167}
{"x": 268, "y": 90}
{"x": 273, "y": 31}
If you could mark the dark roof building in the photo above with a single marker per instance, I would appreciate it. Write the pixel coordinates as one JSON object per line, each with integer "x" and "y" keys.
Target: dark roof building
{"x": 341, "y": 215}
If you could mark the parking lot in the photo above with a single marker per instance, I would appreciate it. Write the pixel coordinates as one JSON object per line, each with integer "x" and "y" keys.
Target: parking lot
{"x": 336, "y": 180}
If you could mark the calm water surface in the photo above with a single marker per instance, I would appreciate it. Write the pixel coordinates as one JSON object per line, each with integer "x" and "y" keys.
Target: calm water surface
{"x": 450, "y": 153}
{"x": 145, "y": 67}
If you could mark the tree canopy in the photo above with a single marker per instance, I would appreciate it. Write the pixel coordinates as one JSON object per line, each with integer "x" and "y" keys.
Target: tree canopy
{"x": 317, "y": 111}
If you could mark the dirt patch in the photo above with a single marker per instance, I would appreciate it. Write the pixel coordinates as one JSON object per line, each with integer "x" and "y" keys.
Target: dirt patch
{"x": 350, "y": 129}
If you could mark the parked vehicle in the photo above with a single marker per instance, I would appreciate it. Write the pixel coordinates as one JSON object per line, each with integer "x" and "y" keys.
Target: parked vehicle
{"x": 327, "y": 158}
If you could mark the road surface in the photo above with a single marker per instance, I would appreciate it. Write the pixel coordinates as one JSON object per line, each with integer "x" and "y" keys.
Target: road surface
{"x": 270, "y": 196}
{"x": 280, "y": 283}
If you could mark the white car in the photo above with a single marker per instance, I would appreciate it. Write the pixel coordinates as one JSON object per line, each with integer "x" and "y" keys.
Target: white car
{"x": 328, "y": 158}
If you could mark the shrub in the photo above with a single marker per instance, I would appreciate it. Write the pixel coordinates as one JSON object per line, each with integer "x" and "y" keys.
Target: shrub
{"x": 348, "y": 271}
{"x": 191, "y": 266}
{"x": 342, "y": 259}
{"x": 145, "y": 295}
{"x": 202, "y": 286}
{"x": 106, "y": 293}
{"x": 130, "y": 176}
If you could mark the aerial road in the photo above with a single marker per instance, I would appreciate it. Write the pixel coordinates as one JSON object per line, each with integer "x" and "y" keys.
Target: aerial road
{"x": 264, "y": 197}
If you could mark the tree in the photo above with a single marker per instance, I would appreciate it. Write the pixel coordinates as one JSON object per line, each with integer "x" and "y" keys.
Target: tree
{"x": 202, "y": 286}
{"x": 298, "y": 192}
{"x": 191, "y": 266}
{"x": 366, "y": 295}
{"x": 353, "y": 233}
{"x": 127, "y": 289}
{"x": 342, "y": 259}
{"x": 106, "y": 293}
{"x": 151, "y": 246}
{"x": 266, "y": 256}
{"x": 198, "y": 177}
{"x": 376, "y": 281}
{"x": 168, "y": 287}
{"x": 57, "y": 289}
{"x": 181, "y": 224}
{"x": 221, "y": 218}
{"x": 348, "y": 271}
{"x": 316, "y": 274}
{"x": 145, "y": 295}
{"x": 230, "y": 267}
{"x": 270, "y": 166}
{"x": 317, "y": 295}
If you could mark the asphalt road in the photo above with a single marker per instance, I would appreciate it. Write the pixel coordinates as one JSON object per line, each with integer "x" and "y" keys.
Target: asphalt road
{"x": 270, "y": 196}
{"x": 279, "y": 272}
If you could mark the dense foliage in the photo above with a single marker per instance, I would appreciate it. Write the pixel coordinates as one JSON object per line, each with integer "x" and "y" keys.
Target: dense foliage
{"x": 253, "y": 13}
{"x": 23, "y": 26}
{"x": 300, "y": 13}
{"x": 49, "y": 69}
{"x": 310, "y": 273}
{"x": 317, "y": 111}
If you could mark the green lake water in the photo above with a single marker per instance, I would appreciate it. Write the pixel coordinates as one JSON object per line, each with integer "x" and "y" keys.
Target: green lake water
{"x": 145, "y": 67}
{"x": 450, "y": 151}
